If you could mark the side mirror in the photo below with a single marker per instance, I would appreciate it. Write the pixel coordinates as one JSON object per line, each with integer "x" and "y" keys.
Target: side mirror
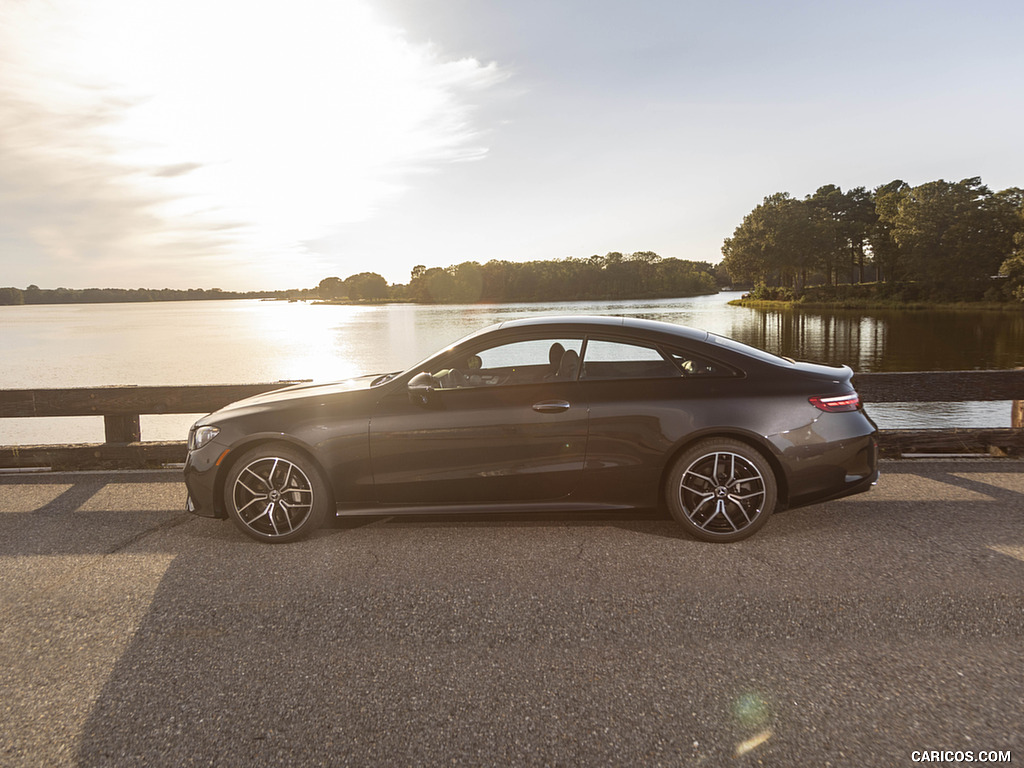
{"x": 421, "y": 388}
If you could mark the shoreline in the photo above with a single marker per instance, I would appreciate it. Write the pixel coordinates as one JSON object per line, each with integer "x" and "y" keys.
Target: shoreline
{"x": 984, "y": 306}
{"x": 316, "y": 301}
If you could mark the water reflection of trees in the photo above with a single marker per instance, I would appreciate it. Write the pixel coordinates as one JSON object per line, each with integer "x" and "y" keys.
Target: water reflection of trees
{"x": 890, "y": 340}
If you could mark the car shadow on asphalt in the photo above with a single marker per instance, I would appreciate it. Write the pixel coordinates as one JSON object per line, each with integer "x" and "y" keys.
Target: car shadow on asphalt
{"x": 646, "y": 520}
{"x": 102, "y": 512}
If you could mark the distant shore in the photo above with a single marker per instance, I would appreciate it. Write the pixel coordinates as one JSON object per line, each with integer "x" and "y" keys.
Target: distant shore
{"x": 879, "y": 304}
{"x": 35, "y": 295}
{"x": 143, "y": 296}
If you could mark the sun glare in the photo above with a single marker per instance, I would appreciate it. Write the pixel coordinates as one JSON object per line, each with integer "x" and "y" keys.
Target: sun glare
{"x": 263, "y": 125}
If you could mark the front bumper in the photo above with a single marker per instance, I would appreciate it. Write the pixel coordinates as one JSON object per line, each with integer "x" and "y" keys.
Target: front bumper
{"x": 201, "y": 482}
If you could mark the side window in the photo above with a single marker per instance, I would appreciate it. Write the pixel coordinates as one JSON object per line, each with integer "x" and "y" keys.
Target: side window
{"x": 518, "y": 362}
{"x": 692, "y": 365}
{"x": 619, "y": 360}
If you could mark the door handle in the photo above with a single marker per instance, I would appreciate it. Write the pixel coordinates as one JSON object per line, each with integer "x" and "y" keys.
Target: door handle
{"x": 551, "y": 406}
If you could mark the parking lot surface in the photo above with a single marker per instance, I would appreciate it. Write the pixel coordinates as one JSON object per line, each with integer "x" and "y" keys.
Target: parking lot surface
{"x": 858, "y": 632}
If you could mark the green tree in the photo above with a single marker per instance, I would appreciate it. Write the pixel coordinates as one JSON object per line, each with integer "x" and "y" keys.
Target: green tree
{"x": 826, "y": 210}
{"x": 643, "y": 274}
{"x": 747, "y": 255}
{"x": 331, "y": 288}
{"x": 781, "y": 241}
{"x": 955, "y": 234}
{"x": 9, "y": 296}
{"x": 886, "y": 251}
{"x": 366, "y": 286}
{"x": 858, "y": 219}
{"x": 468, "y": 282}
{"x": 495, "y": 276}
{"x": 1013, "y": 268}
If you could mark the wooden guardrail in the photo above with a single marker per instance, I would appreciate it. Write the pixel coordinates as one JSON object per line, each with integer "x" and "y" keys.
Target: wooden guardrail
{"x": 121, "y": 407}
{"x": 947, "y": 387}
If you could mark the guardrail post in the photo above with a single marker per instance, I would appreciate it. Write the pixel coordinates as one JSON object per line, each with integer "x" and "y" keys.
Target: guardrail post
{"x": 1017, "y": 412}
{"x": 122, "y": 429}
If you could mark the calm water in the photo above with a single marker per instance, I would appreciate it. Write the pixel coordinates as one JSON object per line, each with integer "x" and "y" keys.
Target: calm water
{"x": 229, "y": 342}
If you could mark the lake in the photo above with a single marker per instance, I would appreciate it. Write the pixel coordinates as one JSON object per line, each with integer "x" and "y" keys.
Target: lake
{"x": 232, "y": 342}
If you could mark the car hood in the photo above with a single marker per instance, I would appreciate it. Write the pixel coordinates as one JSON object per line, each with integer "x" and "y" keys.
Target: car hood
{"x": 303, "y": 391}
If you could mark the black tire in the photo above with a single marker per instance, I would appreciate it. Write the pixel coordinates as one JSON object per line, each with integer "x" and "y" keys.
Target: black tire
{"x": 275, "y": 493}
{"x": 721, "y": 490}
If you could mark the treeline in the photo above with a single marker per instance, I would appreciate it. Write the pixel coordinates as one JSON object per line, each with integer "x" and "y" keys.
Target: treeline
{"x": 940, "y": 241}
{"x": 641, "y": 275}
{"x": 36, "y": 295}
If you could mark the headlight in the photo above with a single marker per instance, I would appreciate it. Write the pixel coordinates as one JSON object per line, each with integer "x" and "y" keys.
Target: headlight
{"x": 200, "y": 436}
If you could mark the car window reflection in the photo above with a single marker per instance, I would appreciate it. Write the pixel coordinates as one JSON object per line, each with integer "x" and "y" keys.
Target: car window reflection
{"x": 693, "y": 365}
{"x": 618, "y": 360}
{"x": 520, "y": 362}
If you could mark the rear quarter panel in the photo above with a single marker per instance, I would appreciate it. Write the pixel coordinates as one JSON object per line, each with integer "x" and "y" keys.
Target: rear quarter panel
{"x": 638, "y": 427}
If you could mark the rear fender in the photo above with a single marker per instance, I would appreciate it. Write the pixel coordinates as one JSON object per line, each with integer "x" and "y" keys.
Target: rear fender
{"x": 759, "y": 443}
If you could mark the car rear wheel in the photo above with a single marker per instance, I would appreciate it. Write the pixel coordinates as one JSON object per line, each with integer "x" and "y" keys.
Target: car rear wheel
{"x": 721, "y": 490}
{"x": 275, "y": 494}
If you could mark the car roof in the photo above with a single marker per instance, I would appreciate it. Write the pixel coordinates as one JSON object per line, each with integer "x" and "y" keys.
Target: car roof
{"x": 594, "y": 322}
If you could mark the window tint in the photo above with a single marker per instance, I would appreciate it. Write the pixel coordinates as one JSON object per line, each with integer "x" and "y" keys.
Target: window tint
{"x": 619, "y": 360}
{"x": 518, "y": 362}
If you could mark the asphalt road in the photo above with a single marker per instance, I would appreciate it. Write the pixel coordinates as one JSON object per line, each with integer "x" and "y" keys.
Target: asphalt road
{"x": 852, "y": 633}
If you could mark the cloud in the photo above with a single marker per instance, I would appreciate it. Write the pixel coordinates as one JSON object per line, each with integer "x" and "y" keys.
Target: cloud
{"x": 211, "y": 137}
{"x": 178, "y": 169}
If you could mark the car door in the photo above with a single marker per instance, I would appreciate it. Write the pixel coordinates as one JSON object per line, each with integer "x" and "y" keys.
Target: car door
{"x": 507, "y": 423}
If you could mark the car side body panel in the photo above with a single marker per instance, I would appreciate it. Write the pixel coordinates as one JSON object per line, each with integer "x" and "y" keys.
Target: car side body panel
{"x": 500, "y": 444}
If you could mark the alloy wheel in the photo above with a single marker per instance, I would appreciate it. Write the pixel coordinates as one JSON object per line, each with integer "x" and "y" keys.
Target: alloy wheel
{"x": 272, "y": 496}
{"x": 722, "y": 492}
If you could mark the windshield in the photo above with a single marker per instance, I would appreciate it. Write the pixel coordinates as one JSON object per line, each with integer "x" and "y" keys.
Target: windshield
{"x": 422, "y": 364}
{"x": 384, "y": 379}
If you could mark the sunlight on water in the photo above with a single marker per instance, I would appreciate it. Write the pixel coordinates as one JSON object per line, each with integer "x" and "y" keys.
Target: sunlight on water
{"x": 234, "y": 342}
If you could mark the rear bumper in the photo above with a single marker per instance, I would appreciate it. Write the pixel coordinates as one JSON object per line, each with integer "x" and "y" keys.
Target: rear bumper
{"x": 837, "y": 456}
{"x": 853, "y": 487}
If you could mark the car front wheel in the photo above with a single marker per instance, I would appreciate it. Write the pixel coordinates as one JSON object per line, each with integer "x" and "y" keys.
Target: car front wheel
{"x": 275, "y": 494}
{"x": 721, "y": 490}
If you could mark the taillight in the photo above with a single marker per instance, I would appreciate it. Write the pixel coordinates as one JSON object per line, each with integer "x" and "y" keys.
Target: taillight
{"x": 837, "y": 403}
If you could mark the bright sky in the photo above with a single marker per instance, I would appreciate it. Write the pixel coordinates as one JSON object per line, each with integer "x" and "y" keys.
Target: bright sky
{"x": 267, "y": 145}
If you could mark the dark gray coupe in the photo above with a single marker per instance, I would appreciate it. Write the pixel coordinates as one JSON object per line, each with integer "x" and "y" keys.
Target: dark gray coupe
{"x": 544, "y": 414}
